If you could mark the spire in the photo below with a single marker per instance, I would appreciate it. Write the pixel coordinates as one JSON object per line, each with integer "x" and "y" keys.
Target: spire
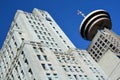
{"x": 80, "y": 13}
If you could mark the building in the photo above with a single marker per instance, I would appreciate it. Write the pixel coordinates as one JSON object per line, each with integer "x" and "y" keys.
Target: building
{"x": 103, "y": 41}
{"x": 110, "y": 63}
{"x": 105, "y": 44}
{"x": 37, "y": 49}
{"x": 96, "y": 27}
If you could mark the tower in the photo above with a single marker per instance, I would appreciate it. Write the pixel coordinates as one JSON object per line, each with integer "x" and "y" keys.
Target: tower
{"x": 96, "y": 20}
{"x": 96, "y": 27}
{"x": 105, "y": 44}
{"x": 37, "y": 49}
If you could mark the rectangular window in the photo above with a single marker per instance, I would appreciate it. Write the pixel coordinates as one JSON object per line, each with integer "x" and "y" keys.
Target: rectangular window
{"x": 55, "y": 76}
{"x": 30, "y": 71}
{"x": 35, "y": 31}
{"x": 26, "y": 61}
{"x": 50, "y": 66}
{"x": 39, "y": 36}
{"x": 49, "y": 77}
{"x": 35, "y": 49}
{"x": 15, "y": 44}
{"x": 39, "y": 57}
{"x": 45, "y": 57}
{"x": 41, "y": 49}
{"x": 43, "y": 65}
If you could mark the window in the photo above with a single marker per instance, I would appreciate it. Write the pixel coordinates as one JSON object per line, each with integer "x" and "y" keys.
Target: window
{"x": 57, "y": 32}
{"x": 37, "y": 27}
{"x": 22, "y": 72}
{"x": 50, "y": 66}
{"x": 12, "y": 76}
{"x": 41, "y": 49}
{"x": 20, "y": 33}
{"x": 32, "y": 26}
{"x": 51, "y": 43}
{"x": 19, "y": 78}
{"x": 70, "y": 68}
{"x": 19, "y": 64}
{"x": 39, "y": 24}
{"x": 26, "y": 61}
{"x": 43, "y": 25}
{"x": 68, "y": 47}
{"x": 50, "y": 23}
{"x": 49, "y": 34}
{"x": 38, "y": 36}
{"x": 43, "y": 65}
{"x": 53, "y": 27}
{"x": 27, "y": 17}
{"x": 76, "y": 77}
{"x": 34, "y": 22}
{"x": 64, "y": 41}
{"x": 100, "y": 54}
{"x": 41, "y": 28}
{"x": 29, "y": 21}
{"x": 52, "y": 39}
{"x": 16, "y": 24}
{"x": 31, "y": 17}
{"x": 44, "y": 37}
{"x": 35, "y": 31}
{"x": 42, "y": 42}
{"x": 64, "y": 68}
{"x": 46, "y": 29}
{"x": 35, "y": 49}
{"x": 30, "y": 71}
{"x": 15, "y": 44}
{"x": 49, "y": 77}
{"x": 45, "y": 33}
{"x": 111, "y": 45}
{"x": 70, "y": 77}
{"x": 95, "y": 54}
{"x": 13, "y": 38}
{"x": 42, "y": 14}
{"x": 103, "y": 44}
{"x": 48, "y": 38}
{"x": 39, "y": 57}
{"x": 48, "y": 19}
{"x": 40, "y": 32}
{"x": 55, "y": 76}
{"x": 60, "y": 36}
{"x": 22, "y": 39}
{"x": 45, "y": 57}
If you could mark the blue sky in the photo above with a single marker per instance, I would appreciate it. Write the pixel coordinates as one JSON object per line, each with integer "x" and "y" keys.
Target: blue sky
{"x": 64, "y": 13}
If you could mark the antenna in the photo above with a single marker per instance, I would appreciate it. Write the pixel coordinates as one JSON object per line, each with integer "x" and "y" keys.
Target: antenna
{"x": 80, "y": 13}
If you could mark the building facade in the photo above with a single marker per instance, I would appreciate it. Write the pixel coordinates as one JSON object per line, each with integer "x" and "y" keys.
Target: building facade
{"x": 105, "y": 44}
{"x": 103, "y": 41}
{"x": 37, "y": 49}
{"x": 105, "y": 50}
{"x": 110, "y": 63}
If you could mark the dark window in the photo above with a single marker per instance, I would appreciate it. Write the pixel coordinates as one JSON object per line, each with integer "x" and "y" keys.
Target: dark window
{"x": 48, "y": 19}
{"x": 39, "y": 57}
{"x": 26, "y": 61}
{"x": 45, "y": 57}
{"x": 41, "y": 49}
{"x": 30, "y": 71}
{"x": 111, "y": 45}
{"x": 43, "y": 65}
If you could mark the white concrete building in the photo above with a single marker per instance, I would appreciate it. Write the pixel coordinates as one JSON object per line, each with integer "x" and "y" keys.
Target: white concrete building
{"x": 110, "y": 63}
{"x": 96, "y": 27}
{"x": 37, "y": 49}
{"x": 104, "y": 40}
